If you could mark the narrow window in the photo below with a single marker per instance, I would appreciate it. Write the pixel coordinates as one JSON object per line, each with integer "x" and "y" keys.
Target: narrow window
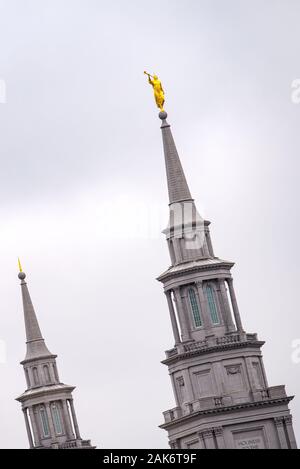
{"x": 212, "y": 305}
{"x": 35, "y": 375}
{"x": 47, "y": 374}
{"x": 195, "y": 308}
{"x": 56, "y": 419}
{"x": 45, "y": 423}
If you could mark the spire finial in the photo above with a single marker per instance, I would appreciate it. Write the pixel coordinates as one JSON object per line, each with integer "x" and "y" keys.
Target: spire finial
{"x": 21, "y": 273}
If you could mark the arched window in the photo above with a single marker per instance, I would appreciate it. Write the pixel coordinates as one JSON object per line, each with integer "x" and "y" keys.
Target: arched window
{"x": 45, "y": 423}
{"x": 46, "y": 373}
{"x": 56, "y": 419}
{"x": 195, "y": 307}
{"x": 212, "y": 305}
{"x": 35, "y": 375}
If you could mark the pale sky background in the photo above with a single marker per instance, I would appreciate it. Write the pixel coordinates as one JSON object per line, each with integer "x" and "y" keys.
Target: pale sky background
{"x": 83, "y": 194}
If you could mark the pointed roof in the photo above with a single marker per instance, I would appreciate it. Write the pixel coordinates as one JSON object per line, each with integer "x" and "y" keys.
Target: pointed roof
{"x": 177, "y": 185}
{"x": 36, "y": 347}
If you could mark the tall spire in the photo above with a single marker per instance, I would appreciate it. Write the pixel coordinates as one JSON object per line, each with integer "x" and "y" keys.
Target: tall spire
{"x": 36, "y": 346}
{"x": 177, "y": 185}
{"x": 222, "y": 396}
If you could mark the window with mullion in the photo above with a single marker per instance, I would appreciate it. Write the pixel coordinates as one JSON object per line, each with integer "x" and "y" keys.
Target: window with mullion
{"x": 56, "y": 419}
{"x": 45, "y": 423}
{"x": 212, "y": 305}
{"x": 195, "y": 307}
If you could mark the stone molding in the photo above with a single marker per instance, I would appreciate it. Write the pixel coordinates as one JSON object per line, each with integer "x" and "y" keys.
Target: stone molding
{"x": 226, "y": 409}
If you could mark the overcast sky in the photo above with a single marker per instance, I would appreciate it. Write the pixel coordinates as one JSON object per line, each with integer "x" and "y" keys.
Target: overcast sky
{"x": 83, "y": 194}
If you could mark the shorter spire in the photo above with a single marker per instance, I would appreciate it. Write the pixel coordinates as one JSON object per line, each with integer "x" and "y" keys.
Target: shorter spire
{"x": 36, "y": 346}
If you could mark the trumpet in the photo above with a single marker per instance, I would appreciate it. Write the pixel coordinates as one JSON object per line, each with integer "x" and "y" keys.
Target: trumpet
{"x": 146, "y": 73}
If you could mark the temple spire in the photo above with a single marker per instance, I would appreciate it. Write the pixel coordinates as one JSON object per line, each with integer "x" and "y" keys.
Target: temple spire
{"x": 36, "y": 346}
{"x": 177, "y": 185}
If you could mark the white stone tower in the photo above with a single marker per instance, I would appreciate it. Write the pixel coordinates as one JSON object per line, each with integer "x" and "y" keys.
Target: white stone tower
{"x": 222, "y": 396}
{"x": 47, "y": 403}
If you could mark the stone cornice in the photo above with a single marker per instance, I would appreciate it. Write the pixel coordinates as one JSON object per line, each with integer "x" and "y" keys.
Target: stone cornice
{"x": 41, "y": 358}
{"x": 169, "y": 274}
{"x": 232, "y": 408}
{"x": 214, "y": 348}
{"x": 44, "y": 391}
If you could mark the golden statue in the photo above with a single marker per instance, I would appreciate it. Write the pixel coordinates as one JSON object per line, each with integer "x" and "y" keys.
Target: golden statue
{"x": 159, "y": 93}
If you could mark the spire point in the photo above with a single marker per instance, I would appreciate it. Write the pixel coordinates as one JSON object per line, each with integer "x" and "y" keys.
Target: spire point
{"x": 21, "y": 274}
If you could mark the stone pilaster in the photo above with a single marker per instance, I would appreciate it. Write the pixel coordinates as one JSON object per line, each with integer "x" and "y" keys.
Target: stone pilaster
{"x": 188, "y": 385}
{"x": 280, "y": 432}
{"x": 288, "y": 420}
{"x": 175, "y": 444}
{"x": 218, "y": 431}
{"x": 208, "y": 438}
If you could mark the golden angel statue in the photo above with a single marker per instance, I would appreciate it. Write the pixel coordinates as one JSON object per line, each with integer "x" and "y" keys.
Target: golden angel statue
{"x": 159, "y": 93}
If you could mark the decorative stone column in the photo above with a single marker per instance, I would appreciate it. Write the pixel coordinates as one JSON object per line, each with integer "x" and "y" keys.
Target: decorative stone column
{"x": 182, "y": 316}
{"x": 67, "y": 420}
{"x": 226, "y": 307}
{"x": 288, "y": 420}
{"x": 173, "y": 317}
{"x": 34, "y": 426}
{"x": 74, "y": 418}
{"x": 203, "y": 306}
{"x": 28, "y": 429}
{"x": 281, "y": 433}
{"x": 235, "y": 307}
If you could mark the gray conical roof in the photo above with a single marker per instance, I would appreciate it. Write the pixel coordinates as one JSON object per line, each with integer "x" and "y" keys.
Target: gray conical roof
{"x": 36, "y": 346}
{"x": 177, "y": 185}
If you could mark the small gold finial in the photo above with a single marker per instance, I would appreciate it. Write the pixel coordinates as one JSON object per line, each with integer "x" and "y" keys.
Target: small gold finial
{"x": 20, "y": 266}
{"x": 159, "y": 93}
